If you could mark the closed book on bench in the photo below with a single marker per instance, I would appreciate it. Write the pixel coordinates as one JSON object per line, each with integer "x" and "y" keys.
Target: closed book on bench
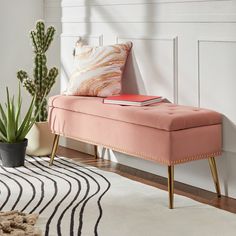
{"x": 132, "y": 100}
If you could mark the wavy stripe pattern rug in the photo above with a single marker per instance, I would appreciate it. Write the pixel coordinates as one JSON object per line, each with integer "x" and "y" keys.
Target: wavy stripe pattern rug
{"x": 73, "y": 199}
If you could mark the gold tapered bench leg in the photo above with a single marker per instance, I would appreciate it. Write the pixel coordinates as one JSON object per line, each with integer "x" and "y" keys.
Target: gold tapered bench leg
{"x": 171, "y": 186}
{"x": 214, "y": 173}
{"x": 54, "y": 148}
{"x": 96, "y": 151}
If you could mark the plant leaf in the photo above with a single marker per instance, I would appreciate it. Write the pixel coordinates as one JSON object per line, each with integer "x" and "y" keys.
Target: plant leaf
{"x": 4, "y": 118}
{"x": 3, "y": 138}
{"x": 25, "y": 123}
{"x": 10, "y": 120}
{"x": 19, "y": 104}
{"x": 3, "y": 129}
{"x": 31, "y": 120}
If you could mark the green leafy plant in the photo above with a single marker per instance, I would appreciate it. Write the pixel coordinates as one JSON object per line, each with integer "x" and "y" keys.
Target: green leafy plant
{"x": 44, "y": 79}
{"x": 12, "y": 129}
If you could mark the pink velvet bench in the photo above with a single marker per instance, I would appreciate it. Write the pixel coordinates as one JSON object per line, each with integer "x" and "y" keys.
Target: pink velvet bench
{"x": 165, "y": 133}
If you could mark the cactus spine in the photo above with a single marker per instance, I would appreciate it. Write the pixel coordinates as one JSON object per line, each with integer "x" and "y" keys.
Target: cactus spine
{"x": 43, "y": 79}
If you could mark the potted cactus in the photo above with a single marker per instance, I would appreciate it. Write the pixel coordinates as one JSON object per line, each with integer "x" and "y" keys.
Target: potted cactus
{"x": 13, "y": 131}
{"x": 40, "y": 137}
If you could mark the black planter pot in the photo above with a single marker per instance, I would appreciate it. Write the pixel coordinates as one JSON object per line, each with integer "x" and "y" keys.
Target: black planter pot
{"x": 13, "y": 154}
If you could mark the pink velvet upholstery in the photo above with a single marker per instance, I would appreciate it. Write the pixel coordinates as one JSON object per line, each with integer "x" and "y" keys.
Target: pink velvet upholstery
{"x": 164, "y": 132}
{"x": 165, "y": 116}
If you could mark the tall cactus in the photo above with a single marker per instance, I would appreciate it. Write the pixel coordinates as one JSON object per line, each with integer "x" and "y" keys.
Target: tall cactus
{"x": 43, "y": 79}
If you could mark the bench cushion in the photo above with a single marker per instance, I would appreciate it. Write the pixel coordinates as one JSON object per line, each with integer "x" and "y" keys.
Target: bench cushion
{"x": 163, "y": 116}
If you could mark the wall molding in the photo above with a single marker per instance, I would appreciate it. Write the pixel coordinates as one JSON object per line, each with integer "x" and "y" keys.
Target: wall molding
{"x": 81, "y": 21}
{"x": 145, "y": 38}
{"x": 174, "y": 41}
{"x": 199, "y": 42}
{"x": 81, "y": 3}
{"x": 73, "y": 11}
{"x": 85, "y": 36}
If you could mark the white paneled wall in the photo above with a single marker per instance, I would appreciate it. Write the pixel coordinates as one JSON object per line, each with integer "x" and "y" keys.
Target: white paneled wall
{"x": 183, "y": 49}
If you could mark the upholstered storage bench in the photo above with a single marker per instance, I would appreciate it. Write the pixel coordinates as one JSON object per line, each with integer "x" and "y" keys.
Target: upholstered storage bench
{"x": 164, "y": 133}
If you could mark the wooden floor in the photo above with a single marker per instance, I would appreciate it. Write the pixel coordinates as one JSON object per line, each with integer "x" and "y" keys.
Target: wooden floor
{"x": 226, "y": 203}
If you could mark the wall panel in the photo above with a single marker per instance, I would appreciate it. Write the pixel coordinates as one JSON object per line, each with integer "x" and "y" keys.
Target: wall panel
{"x": 217, "y": 83}
{"x": 183, "y": 49}
{"x": 152, "y": 60}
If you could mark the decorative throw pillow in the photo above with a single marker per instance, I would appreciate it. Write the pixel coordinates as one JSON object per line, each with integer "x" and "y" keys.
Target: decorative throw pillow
{"x": 98, "y": 70}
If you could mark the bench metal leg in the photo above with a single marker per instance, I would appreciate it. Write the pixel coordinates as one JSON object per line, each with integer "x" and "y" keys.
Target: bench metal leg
{"x": 96, "y": 151}
{"x": 214, "y": 173}
{"x": 54, "y": 148}
{"x": 171, "y": 186}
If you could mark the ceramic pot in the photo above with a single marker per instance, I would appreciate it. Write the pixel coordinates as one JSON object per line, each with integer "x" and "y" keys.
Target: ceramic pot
{"x": 40, "y": 140}
{"x": 13, "y": 154}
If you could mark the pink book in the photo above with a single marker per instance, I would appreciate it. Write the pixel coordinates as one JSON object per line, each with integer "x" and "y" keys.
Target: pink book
{"x": 132, "y": 100}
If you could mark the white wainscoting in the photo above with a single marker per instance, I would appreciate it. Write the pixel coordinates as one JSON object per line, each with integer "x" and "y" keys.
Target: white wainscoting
{"x": 156, "y": 60}
{"x": 183, "y": 49}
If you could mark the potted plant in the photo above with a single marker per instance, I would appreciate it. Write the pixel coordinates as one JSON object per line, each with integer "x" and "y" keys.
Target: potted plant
{"x": 40, "y": 136}
{"x": 13, "y": 132}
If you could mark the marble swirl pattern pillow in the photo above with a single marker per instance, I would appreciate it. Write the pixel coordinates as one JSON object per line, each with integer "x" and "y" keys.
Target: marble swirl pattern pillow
{"x": 98, "y": 70}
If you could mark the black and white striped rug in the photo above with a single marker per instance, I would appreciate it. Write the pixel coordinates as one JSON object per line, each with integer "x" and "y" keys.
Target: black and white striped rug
{"x": 73, "y": 199}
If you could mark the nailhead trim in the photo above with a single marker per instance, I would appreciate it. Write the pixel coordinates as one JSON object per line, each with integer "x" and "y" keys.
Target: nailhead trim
{"x": 197, "y": 157}
{"x": 146, "y": 156}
